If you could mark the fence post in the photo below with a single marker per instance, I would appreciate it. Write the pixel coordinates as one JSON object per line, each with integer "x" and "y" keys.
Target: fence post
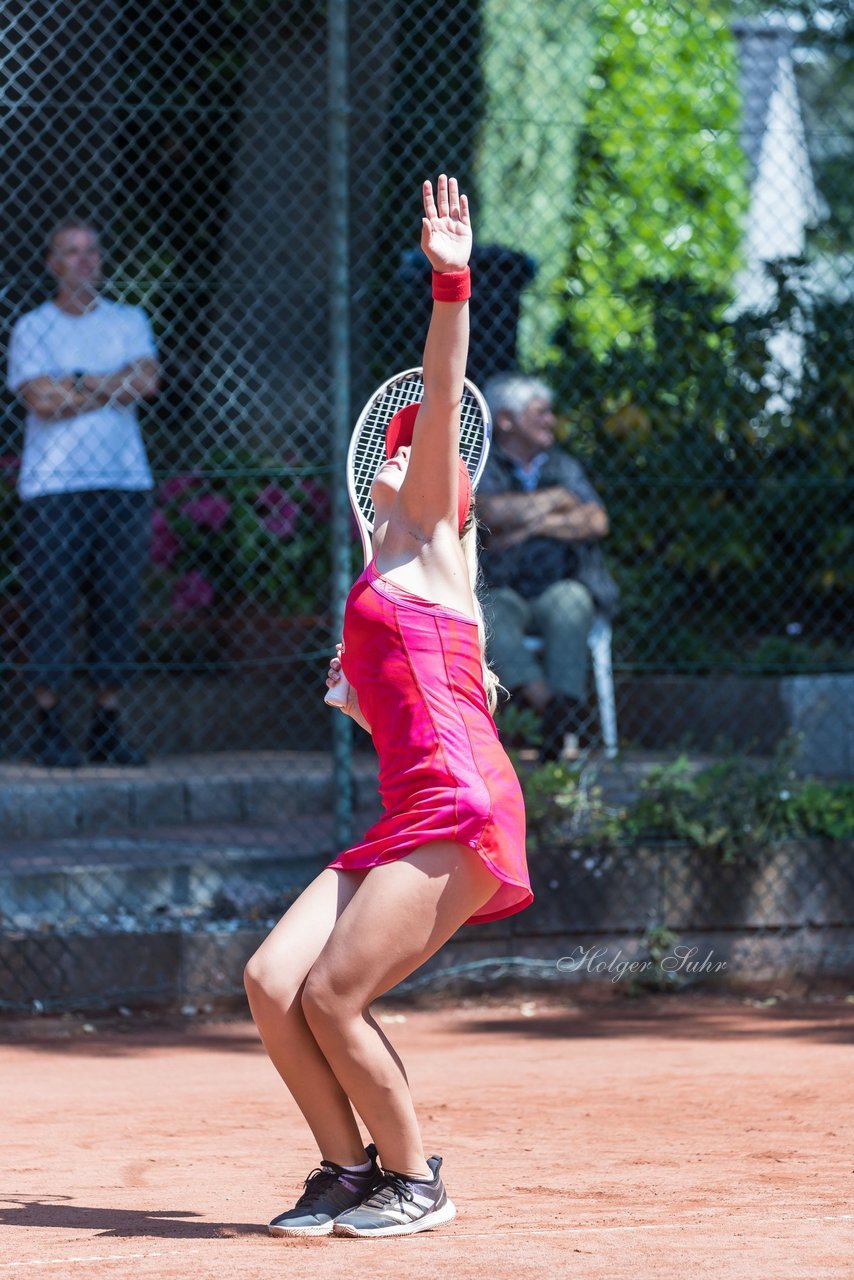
{"x": 339, "y": 361}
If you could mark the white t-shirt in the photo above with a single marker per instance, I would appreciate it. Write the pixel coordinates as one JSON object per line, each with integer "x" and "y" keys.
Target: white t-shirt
{"x": 98, "y": 450}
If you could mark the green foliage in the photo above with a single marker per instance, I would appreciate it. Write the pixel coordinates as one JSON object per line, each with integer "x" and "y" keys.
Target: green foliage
{"x": 818, "y": 809}
{"x": 733, "y": 810}
{"x": 793, "y": 654}
{"x": 661, "y": 189}
{"x": 712, "y": 484}
{"x": 609, "y": 152}
{"x": 520, "y": 726}
{"x": 712, "y": 491}
{"x": 563, "y": 803}
{"x": 737, "y": 811}
{"x": 658, "y": 943}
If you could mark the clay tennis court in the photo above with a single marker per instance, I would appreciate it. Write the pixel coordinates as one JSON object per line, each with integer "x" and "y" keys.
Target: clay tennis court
{"x": 670, "y": 1137}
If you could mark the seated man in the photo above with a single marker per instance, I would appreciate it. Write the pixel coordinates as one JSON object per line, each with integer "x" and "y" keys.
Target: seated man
{"x": 542, "y": 558}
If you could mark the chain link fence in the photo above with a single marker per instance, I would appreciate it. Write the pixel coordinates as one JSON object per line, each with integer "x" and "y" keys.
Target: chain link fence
{"x": 663, "y": 216}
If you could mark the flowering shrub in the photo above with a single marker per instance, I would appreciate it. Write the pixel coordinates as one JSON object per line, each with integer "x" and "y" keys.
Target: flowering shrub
{"x": 238, "y": 533}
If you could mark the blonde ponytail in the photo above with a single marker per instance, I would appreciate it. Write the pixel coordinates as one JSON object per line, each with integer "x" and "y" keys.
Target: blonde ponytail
{"x": 468, "y": 539}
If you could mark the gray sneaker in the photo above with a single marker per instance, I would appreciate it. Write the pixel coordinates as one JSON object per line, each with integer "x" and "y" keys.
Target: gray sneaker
{"x": 329, "y": 1192}
{"x": 399, "y": 1206}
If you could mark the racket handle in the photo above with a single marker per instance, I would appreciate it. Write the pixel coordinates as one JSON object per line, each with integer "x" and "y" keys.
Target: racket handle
{"x": 339, "y": 694}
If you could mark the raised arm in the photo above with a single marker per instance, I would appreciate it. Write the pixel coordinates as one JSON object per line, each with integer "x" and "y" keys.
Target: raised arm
{"x": 428, "y": 494}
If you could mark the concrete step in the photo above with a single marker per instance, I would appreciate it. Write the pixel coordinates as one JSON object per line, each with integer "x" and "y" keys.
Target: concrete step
{"x": 234, "y": 834}
{"x": 237, "y": 787}
{"x": 178, "y": 872}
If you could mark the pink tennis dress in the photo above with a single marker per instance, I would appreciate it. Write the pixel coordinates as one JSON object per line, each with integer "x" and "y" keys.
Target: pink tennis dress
{"x": 443, "y": 772}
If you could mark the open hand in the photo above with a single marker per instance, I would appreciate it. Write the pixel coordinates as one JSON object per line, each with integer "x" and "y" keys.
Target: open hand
{"x": 445, "y": 228}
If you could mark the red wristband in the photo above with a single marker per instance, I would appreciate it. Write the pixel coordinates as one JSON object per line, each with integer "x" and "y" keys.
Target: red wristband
{"x": 452, "y": 286}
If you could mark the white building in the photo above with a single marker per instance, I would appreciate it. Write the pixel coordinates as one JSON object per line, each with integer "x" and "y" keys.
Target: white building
{"x": 784, "y": 201}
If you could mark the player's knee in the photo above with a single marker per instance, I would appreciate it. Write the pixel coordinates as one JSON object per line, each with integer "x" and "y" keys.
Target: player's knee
{"x": 317, "y": 1002}
{"x": 323, "y": 1004}
{"x": 264, "y": 984}
{"x": 255, "y": 976}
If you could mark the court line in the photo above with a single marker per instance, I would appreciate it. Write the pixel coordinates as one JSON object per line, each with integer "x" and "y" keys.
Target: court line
{"x": 96, "y": 1257}
{"x": 640, "y": 1226}
{"x": 458, "y": 1235}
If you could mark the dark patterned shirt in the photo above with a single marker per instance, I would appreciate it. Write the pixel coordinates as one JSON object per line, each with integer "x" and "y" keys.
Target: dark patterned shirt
{"x": 531, "y": 566}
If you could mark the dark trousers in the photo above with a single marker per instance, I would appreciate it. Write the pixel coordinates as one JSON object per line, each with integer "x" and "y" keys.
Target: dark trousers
{"x": 93, "y": 543}
{"x": 562, "y": 615}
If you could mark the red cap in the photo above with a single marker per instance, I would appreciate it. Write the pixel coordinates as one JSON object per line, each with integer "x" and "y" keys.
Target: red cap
{"x": 400, "y": 428}
{"x": 399, "y": 431}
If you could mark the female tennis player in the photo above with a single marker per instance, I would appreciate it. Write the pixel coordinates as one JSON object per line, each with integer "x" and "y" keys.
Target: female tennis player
{"x": 450, "y": 847}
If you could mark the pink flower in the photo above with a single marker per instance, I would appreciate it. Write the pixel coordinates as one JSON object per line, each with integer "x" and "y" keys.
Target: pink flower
{"x": 176, "y": 485}
{"x": 193, "y": 591}
{"x": 282, "y": 512}
{"x": 318, "y": 497}
{"x": 270, "y": 496}
{"x": 165, "y": 544}
{"x": 282, "y": 522}
{"x": 9, "y": 466}
{"x": 210, "y": 511}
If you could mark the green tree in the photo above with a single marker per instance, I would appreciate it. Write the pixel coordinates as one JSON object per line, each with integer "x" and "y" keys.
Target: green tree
{"x": 731, "y": 535}
{"x": 661, "y": 185}
{"x": 535, "y": 61}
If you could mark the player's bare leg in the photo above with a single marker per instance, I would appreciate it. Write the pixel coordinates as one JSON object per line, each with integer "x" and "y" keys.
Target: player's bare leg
{"x": 401, "y": 914}
{"x": 274, "y": 980}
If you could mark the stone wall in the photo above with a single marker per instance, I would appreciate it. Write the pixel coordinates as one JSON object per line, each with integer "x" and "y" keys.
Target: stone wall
{"x": 790, "y": 916}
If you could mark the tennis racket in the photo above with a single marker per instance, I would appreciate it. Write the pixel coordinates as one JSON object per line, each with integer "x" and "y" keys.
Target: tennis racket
{"x": 367, "y": 453}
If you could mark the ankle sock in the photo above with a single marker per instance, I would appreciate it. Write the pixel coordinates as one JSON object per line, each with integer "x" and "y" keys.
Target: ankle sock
{"x": 356, "y": 1168}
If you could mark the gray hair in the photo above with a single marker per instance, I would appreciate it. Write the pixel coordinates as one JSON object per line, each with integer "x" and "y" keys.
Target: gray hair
{"x": 513, "y": 392}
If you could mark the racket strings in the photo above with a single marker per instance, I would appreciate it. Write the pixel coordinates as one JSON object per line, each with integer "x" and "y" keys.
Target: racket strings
{"x": 369, "y": 451}
{"x": 368, "y": 448}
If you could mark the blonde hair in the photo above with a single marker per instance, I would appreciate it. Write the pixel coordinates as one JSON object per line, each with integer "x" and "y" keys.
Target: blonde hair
{"x": 469, "y": 541}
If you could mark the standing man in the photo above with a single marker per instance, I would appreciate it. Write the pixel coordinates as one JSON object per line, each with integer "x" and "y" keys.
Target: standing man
{"x": 542, "y": 558}
{"x": 80, "y": 364}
